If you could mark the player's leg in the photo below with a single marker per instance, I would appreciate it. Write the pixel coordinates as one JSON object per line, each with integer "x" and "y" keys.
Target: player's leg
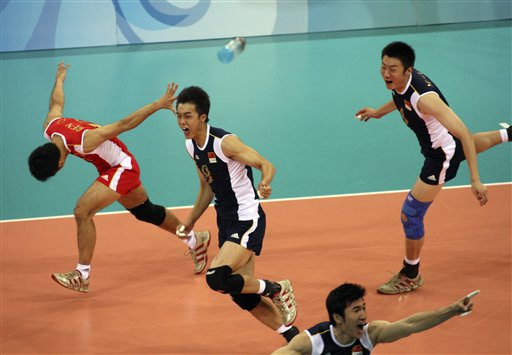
{"x": 239, "y": 242}
{"x": 412, "y": 216}
{"x": 94, "y": 199}
{"x": 487, "y": 140}
{"x": 413, "y": 212}
{"x": 262, "y": 308}
{"x": 138, "y": 203}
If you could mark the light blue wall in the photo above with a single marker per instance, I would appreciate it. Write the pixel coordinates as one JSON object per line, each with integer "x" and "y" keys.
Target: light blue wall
{"x": 47, "y": 24}
{"x": 293, "y": 98}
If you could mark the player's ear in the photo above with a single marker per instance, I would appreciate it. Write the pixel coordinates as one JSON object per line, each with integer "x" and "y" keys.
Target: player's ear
{"x": 203, "y": 117}
{"x": 337, "y": 318}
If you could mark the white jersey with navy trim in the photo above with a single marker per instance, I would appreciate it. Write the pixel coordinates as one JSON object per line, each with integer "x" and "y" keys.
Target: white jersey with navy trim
{"x": 323, "y": 342}
{"x": 435, "y": 140}
{"x": 230, "y": 180}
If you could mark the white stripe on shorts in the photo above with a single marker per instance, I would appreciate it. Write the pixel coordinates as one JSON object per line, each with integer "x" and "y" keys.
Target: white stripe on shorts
{"x": 449, "y": 151}
{"x": 116, "y": 178}
{"x": 245, "y": 237}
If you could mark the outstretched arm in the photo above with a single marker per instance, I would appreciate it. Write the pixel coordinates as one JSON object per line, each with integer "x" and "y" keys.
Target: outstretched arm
{"x": 99, "y": 135}
{"x": 386, "y": 332}
{"x": 234, "y": 149}
{"x": 366, "y": 113}
{"x": 57, "y": 95}
{"x": 433, "y": 105}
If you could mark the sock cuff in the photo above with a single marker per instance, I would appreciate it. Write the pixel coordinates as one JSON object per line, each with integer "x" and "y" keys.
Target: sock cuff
{"x": 412, "y": 262}
{"x": 283, "y": 329}
{"x": 504, "y": 136}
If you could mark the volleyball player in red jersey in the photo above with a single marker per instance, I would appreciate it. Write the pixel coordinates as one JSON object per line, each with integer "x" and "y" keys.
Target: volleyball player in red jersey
{"x": 118, "y": 180}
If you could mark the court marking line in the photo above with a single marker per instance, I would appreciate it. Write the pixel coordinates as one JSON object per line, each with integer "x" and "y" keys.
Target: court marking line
{"x": 263, "y": 202}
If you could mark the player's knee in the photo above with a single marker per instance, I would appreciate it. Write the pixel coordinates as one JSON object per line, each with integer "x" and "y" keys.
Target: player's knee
{"x": 413, "y": 212}
{"x": 223, "y": 280}
{"x": 148, "y": 212}
{"x": 246, "y": 301}
{"x": 81, "y": 213}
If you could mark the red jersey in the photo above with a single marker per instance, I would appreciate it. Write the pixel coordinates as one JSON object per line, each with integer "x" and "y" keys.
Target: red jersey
{"x": 111, "y": 158}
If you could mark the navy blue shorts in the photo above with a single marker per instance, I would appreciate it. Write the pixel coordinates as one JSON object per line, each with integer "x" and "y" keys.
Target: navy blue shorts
{"x": 248, "y": 234}
{"x": 437, "y": 171}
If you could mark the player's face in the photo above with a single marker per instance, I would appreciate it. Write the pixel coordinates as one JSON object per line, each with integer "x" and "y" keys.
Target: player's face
{"x": 394, "y": 74}
{"x": 190, "y": 122}
{"x": 355, "y": 319}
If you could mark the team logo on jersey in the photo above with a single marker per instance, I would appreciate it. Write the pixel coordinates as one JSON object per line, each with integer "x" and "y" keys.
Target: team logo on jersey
{"x": 197, "y": 157}
{"x": 357, "y": 350}
{"x": 211, "y": 157}
{"x": 408, "y": 105}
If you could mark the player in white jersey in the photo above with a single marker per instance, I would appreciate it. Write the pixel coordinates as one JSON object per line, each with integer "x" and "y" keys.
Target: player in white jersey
{"x": 445, "y": 142}
{"x": 348, "y": 333}
{"x": 118, "y": 177}
{"x": 224, "y": 165}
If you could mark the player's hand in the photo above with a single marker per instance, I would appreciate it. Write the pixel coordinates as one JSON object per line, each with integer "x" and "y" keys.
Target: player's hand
{"x": 167, "y": 100}
{"x": 365, "y": 114}
{"x": 62, "y": 69}
{"x": 182, "y": 231}
{"x": 464, "y": 306}
{"x": 264, "y": 190}
{"x": 480, "y": 192}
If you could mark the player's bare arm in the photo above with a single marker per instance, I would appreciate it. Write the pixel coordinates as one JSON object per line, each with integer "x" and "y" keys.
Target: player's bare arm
{"x": 432, "y": 104}
{"x": 386, "y": 332}
{"x": 235, "y": 149}
{"x": 299, "y": 345}
{"x": 56, "y": 106}
{"x": 366, "y": 113}
{"x": 97, "y": 136}
{"x": 203, "y": 200}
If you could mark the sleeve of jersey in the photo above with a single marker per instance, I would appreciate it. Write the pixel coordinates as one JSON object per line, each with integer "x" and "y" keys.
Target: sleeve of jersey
{"x": 317, "y": 344}
{"x": 417, "y": 96}
{"x": 190, "y": 147}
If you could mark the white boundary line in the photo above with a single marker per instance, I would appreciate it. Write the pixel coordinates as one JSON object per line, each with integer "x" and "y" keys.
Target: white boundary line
{"x": 263, "y": 201}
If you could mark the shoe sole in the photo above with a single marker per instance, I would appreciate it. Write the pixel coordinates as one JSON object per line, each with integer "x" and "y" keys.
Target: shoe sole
{"x": 296, "y": 310}
{"x": 206, "y": 255}
{"x": 54, "y": 278}
{"x": 399, "y": 293}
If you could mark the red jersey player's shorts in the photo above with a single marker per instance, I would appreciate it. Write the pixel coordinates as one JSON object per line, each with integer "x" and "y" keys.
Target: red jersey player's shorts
{"x": 122, "y": 178}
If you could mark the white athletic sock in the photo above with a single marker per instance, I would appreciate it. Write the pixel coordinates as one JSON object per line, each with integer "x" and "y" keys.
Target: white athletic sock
{"x": 191, "y": 240}
{"x": 283, "y": 329}
{"x": 504, "y": 136}
{"x": 84, "y": 270}
{"x": 412, "y": 262}
{"x": 262, "y": 287}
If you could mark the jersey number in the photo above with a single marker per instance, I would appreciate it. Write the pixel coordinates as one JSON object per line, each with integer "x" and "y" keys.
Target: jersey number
{"x": 207, "y": 174}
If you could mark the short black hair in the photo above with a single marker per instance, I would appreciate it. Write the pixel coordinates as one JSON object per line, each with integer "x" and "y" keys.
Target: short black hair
{"x": 43, "y": 162}
{"x": 197, "y": 96}
{"x": 341, "y": 297}
{"x": 402, "y": 51}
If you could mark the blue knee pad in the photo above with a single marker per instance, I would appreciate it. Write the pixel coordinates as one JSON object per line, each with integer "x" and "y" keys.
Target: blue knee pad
{"x": 223, "y": 280}
{"x": 246, "y": 301}
{"x": 413, "y": 212}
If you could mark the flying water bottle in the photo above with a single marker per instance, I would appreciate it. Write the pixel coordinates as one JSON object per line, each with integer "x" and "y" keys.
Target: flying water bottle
{"x": 231, "y": 49}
